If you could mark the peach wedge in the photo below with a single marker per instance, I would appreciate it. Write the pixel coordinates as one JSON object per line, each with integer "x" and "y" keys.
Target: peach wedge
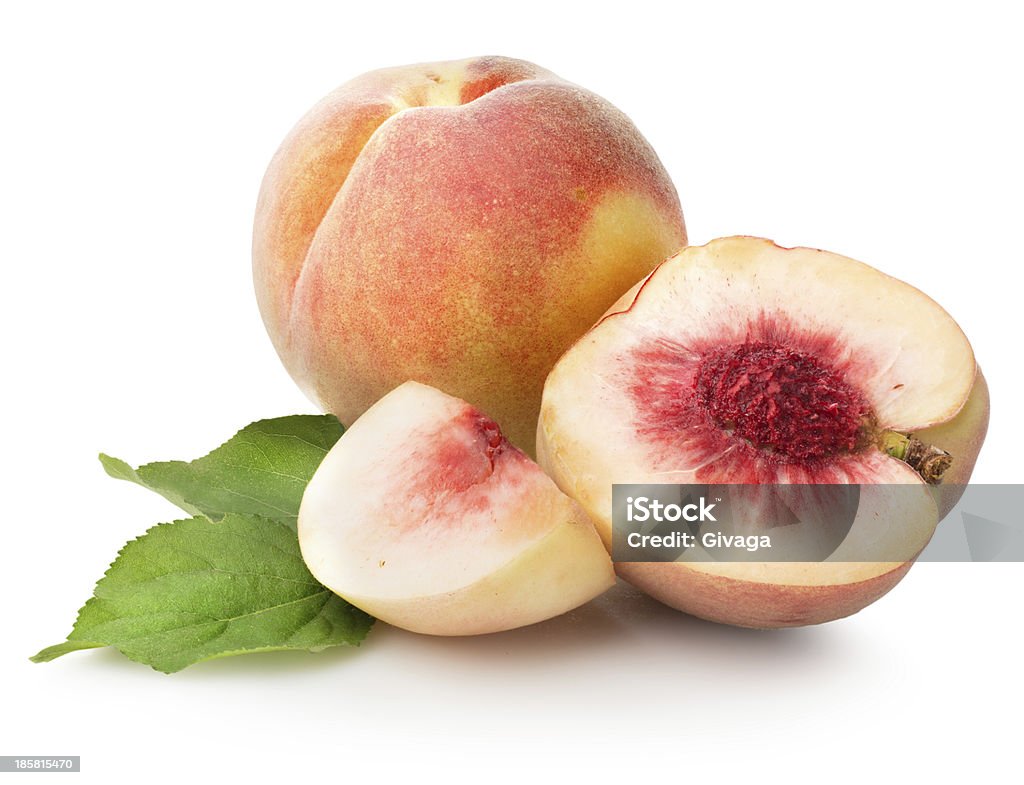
{"x": 425, "y": 516}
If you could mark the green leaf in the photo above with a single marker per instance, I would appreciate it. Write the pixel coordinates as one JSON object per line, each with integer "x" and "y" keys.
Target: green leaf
{"x": 262, "y": 470}
{"x": 195, "y": 590}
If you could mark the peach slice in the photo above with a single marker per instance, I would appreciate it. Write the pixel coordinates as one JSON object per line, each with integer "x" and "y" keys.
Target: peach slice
{"x": 743, "y": 362}
{"x": 425, "y": 516}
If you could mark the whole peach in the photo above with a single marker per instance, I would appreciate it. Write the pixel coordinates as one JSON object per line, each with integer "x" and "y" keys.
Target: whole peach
{"x": 459, "y": 224}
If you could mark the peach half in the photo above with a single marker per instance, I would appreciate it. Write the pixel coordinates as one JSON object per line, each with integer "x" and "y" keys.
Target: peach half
{"x": 741, "y": 362}
{"x": 425, "y": 516}
{"x": 459, "y": 223}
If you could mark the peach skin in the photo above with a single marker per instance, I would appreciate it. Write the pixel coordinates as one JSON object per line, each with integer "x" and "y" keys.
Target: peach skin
{"x": 460, "y": 224}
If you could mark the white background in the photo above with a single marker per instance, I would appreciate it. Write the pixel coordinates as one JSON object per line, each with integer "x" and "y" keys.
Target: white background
{"x": 132, "y": 145}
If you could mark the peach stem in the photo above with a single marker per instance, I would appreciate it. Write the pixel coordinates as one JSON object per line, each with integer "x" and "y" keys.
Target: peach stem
{"x": 927, "y": 460}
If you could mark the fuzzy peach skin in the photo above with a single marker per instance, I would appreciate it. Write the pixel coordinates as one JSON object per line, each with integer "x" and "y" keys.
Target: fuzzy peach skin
{"x": 457, "y": 223}
{"x": 961, "y": 436}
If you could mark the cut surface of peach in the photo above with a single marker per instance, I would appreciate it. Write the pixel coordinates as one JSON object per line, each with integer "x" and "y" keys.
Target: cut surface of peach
{"x": 746, "y": 363}
{"x": 425, "y": 516}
